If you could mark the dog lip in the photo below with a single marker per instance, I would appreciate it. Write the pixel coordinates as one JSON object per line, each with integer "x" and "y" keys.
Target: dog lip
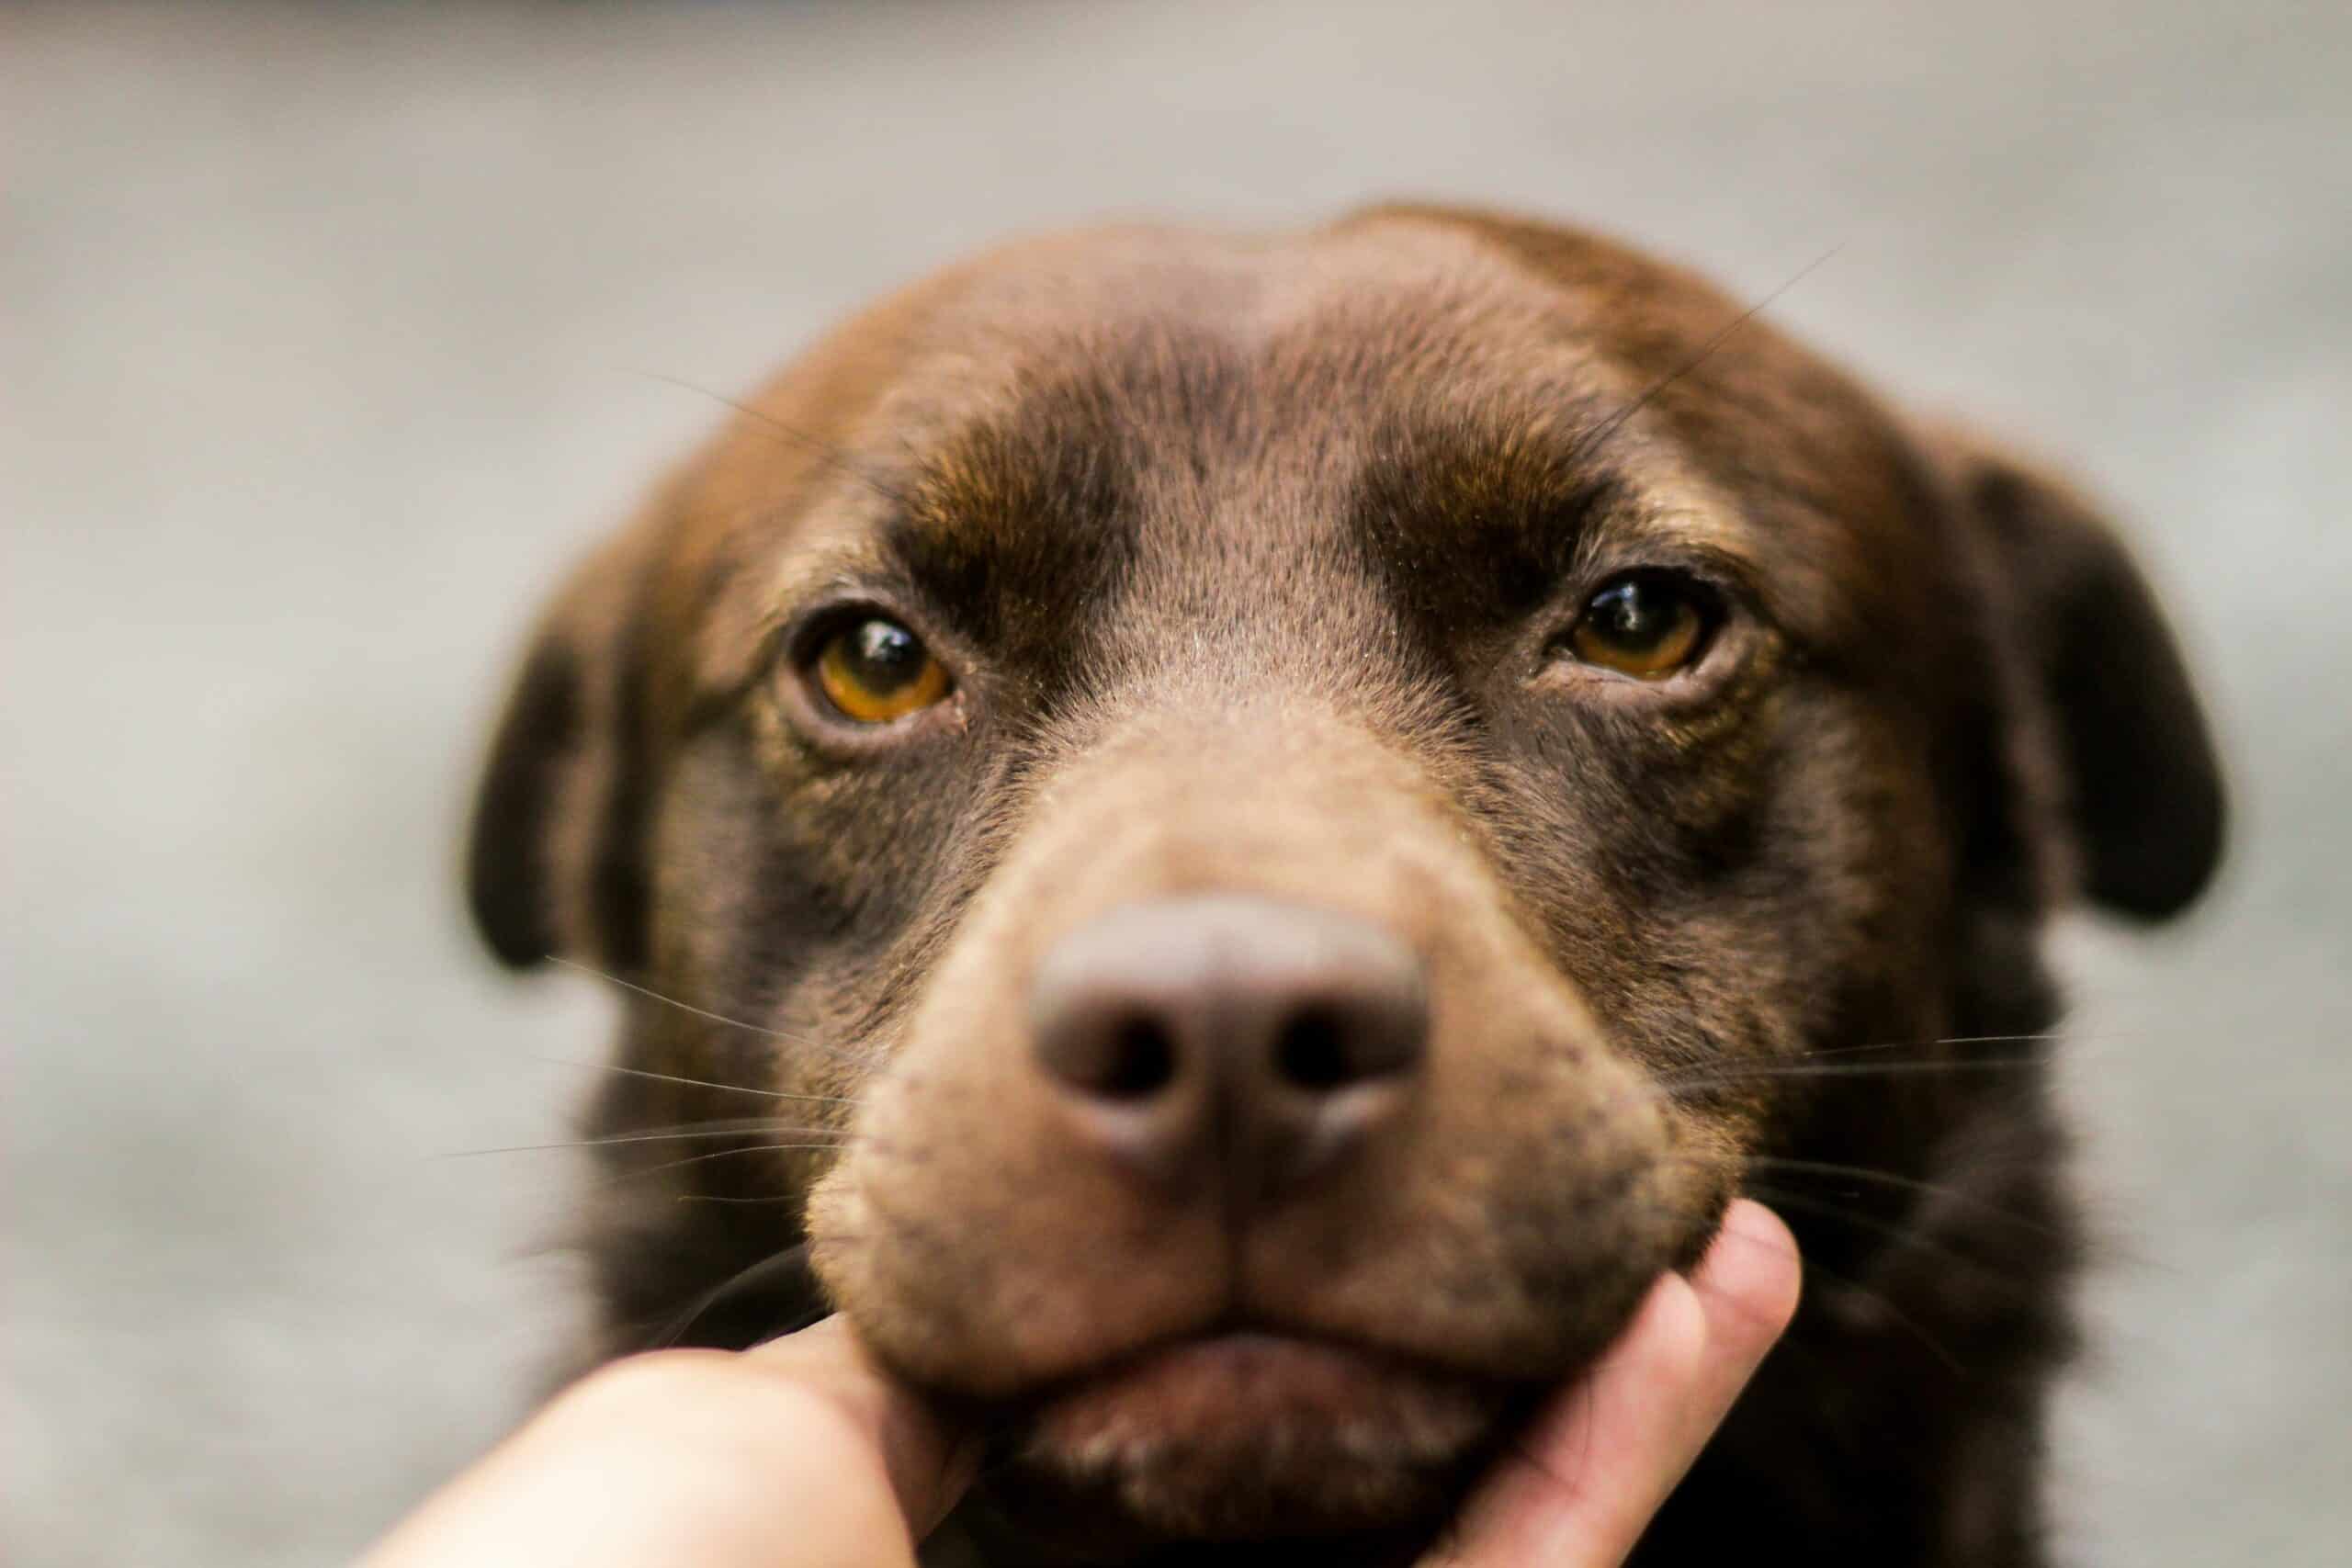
{"x": 1241, "y": 1337}
{"x": 1244, "y": 1372}
{"x": 1238, "y": 1428}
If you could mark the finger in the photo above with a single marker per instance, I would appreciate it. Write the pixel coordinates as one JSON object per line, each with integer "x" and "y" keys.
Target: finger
{"x": 930, "y": 1465}
{"x": 800, "y": 1451}
{"x": 1748, "y": 1282}
{"x": 1602, "y": 1456}
{"x": 1583, "y": 1479}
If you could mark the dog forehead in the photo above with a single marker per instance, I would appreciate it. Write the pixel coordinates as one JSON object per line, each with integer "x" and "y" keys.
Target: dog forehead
{"x": 1059, "y": 408}
{"x": 1125, "y": 376}
{"x": 1289, "y": 360}
{"x": 1356, "y": 309}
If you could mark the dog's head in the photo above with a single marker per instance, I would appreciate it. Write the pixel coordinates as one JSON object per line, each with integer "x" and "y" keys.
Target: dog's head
{"x": 1270, "y": 807}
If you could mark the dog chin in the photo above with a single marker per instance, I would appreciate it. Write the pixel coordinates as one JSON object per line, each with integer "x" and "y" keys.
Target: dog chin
{"x": 1250, "y": 1435}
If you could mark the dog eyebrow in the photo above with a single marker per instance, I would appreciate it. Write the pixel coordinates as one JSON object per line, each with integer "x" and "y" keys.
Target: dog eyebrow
{"x": 1016, "y": 514}
{"x": 1498, "y": 507}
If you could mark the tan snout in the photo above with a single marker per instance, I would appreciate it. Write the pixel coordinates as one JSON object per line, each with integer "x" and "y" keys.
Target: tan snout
{"x": 1242, "y": 1031}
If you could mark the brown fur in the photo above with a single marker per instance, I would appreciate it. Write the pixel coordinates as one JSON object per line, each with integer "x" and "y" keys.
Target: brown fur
{"x": 1252, "y": 557}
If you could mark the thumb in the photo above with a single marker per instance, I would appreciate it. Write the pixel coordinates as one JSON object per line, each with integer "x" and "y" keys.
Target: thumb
{"x": 928, "y": 1464}
{"x": 1601, "y": 1457}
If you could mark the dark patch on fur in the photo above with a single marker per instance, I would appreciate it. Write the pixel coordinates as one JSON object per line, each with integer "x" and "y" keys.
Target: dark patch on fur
{"x": 2145, "y": 797}
{"x": 617, "y": 891}
{"x": 1474, "y": 521}
{"x": 506, "y": 881}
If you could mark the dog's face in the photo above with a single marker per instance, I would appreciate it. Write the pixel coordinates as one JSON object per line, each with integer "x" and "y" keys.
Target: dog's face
{"x": 1271, "y": 806}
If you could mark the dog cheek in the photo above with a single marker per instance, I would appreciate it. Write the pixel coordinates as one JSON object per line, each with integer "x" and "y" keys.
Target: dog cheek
{"x": 845, "y": 1254}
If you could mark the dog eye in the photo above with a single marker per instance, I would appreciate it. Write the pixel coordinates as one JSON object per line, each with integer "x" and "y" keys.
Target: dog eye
{"x": 1645, "y": 624}
{"x": 875, "y": 669}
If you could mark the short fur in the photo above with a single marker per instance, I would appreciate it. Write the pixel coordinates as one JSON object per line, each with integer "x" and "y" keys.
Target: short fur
{"x": 1252, "y": 557}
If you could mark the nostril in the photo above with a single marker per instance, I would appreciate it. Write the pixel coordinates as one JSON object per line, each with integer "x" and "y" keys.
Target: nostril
{"x": 1311, "y": 1052}
{"x": 1272, "y": 1012}
{"x": 1108, "y": 1048}
{"x": 1141, "y": 1060}
{"x": 1326, "y": 1046}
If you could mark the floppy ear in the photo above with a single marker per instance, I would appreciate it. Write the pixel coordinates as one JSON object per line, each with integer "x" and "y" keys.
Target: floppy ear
{"x": 556, "y": 860}
{"x": 2140, "y": 788}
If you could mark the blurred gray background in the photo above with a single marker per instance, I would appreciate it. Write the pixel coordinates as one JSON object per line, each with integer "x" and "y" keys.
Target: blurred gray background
{"x": 329, "y": 335}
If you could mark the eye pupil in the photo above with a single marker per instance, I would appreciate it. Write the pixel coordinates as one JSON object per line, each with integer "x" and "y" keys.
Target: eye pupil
{"x": 1636, "y": 614}
{"x": 875, "y": 670}
{"x": 1647, "y": 626}
{"x": 884, "y": 656}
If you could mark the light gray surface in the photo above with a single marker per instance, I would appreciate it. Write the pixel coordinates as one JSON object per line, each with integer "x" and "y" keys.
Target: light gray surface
{"x": 325, "y": 338}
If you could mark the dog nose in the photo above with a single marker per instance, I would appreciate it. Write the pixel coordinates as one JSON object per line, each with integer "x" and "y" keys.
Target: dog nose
{"x": 1263, "y": 1037}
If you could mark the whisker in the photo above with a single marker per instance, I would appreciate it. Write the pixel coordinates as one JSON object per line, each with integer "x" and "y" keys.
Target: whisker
{"x": 663, "y": 1136}
{"x": 1592, "y": 443}
{"x": 697, "y": 1083}
{"x": 722, "y": 1154}
{"x": 1905, "y": 1183}
{"x": 808, "y": 1319}
{"x": 1895, "y": 1315}
{"x": 764, "y": 1271}
{"x": 1944, "y": 1040}
{"x": 1717, "y": 1076}
{"x": 831, "y": 454}
{"x": 649, "y": 992}
{"x": 1901, "y": 1236}
{"x": 857, "y": 1059}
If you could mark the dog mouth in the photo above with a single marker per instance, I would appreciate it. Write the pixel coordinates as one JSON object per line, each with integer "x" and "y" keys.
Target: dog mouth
{"x": 1250, "y": 1430}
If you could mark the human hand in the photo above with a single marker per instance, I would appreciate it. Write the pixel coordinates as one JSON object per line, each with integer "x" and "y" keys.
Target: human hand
{"x": 1601, "y": 1457}
{"x": 800, "y": 1453}
{"x": 803, "y": 1454}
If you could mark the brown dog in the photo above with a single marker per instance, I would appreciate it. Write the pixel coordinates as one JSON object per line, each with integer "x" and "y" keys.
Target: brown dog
{"x": 1255, "y": 832}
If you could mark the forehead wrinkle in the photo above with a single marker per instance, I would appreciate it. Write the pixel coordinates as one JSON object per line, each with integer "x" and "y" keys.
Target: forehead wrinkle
{"x": 1071, "y": 413}
{"x": 1021, "y": 510}
{"x": 1448, "y": 482}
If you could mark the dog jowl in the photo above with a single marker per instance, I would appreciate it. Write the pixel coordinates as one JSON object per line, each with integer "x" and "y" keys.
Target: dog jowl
{"x": 1255, "y": 832}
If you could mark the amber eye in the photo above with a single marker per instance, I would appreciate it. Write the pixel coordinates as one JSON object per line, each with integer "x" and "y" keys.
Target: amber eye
{"x": 873, "y": 670}
{"x": 1645, "y": 623}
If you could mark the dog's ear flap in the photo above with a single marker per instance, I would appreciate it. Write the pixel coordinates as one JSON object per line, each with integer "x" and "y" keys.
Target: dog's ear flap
{"x": 2139, "y": 786}
{"x": 556, "y": 857}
